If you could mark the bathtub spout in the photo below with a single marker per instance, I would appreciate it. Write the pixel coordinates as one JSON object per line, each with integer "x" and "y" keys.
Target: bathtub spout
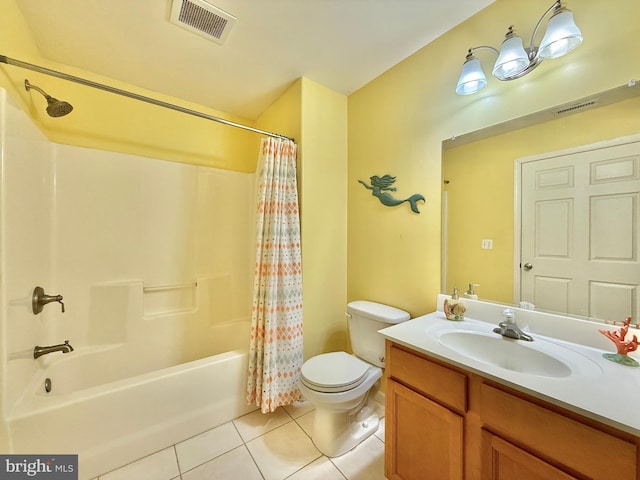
{"x": 63, "y": 347}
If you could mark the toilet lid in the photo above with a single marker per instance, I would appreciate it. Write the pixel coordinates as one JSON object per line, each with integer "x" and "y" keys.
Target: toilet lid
{"x": 333, "y": 372}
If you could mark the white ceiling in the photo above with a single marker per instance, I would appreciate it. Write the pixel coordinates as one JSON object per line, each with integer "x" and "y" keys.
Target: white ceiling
{"x": 341, "y": 44}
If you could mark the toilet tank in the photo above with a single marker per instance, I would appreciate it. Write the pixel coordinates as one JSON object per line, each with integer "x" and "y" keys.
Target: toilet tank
{"x": 365, "y": 319}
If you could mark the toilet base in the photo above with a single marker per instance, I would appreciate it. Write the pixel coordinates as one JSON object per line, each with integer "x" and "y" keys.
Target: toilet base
{"x": 335, "y": 433}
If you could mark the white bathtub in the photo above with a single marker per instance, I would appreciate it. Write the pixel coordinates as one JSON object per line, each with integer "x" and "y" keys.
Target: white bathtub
{"x": 112, "y": 424}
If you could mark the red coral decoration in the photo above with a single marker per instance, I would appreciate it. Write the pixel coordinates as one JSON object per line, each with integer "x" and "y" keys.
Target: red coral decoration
{"x": 623, "y": 346}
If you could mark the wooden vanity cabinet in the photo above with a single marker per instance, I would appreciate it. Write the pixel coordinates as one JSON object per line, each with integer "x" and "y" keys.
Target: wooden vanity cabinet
{"x": 446, "y": 423}
{"x": 417, "y": 423}
{"x": 424, "y": 419}
{"x": 506, "y": 461}
{"x": 426, "y": 434}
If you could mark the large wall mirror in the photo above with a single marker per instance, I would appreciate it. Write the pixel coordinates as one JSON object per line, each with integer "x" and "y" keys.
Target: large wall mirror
{"x": 493, "y": 221}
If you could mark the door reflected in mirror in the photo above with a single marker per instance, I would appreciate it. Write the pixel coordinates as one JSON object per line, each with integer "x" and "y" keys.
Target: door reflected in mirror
{"x": 482, "y": 208}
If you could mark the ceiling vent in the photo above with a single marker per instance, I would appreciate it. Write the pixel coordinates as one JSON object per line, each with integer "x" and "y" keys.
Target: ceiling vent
{"x": 576, "y": 107}
{"x": 202, "y": 18}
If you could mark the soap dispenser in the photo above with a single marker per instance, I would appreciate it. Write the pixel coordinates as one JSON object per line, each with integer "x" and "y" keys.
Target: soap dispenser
{"x": 454, "y": 309}
{"x": 470, "y": 293}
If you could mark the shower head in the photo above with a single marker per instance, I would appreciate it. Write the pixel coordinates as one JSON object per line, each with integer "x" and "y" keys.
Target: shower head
{"x": 55, "y": 107}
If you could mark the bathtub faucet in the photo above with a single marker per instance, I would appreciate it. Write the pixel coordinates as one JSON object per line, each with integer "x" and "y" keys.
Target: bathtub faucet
{"x": 40, "y": 299}
{"x": 63, "y": 347}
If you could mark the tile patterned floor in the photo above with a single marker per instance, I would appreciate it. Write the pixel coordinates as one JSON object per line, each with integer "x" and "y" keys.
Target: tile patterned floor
{"x": 276, "y": 446}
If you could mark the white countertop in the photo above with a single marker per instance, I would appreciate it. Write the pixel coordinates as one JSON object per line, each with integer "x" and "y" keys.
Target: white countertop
{"x": 608, "y": 392}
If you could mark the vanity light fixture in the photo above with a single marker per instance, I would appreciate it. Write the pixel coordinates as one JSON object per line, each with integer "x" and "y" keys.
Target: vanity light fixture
{"x": 514, "y": 60}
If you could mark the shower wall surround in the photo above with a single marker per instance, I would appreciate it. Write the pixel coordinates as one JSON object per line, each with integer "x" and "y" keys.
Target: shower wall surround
{"x": 154, "y": 259}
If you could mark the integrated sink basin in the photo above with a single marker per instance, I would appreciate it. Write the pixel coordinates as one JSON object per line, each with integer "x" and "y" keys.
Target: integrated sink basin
{"x": 477, "y": 341}
{"x": 505, "y": 353}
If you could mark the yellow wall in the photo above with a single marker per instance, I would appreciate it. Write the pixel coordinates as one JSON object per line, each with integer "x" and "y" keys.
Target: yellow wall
{"x": 317, "y": 117}
{"x": 398, "y": 121}
{"x": 284, "y": 116}
{"x": 481, "y": 196}
{"x": 107, "y": 121}
{"x": 324, "y": 217}
{"x": 394, "y": 125}
{"x": 311, "y": 113}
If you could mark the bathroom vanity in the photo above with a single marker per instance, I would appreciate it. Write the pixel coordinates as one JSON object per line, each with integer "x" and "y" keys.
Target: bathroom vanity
{"x": 458, "y": 407}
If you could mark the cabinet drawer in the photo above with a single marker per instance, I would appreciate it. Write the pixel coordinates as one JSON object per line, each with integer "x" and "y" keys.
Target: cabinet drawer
{"x": 579, "y": 447}
{"x": 431, "y": 379}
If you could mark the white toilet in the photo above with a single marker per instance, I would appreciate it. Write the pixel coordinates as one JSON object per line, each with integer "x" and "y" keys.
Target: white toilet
{"x": 342, "y": 387}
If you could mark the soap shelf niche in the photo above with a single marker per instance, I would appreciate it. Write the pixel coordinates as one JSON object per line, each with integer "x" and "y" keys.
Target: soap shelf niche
{"x": 160, "y": 300}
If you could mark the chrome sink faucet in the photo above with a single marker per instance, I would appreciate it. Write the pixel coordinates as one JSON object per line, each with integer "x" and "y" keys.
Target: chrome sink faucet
{"x": 63, "y": 347}
{"x": 509, "y": 328}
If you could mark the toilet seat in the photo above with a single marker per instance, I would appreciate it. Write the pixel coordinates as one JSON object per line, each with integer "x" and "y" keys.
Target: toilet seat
{"x": 333, "y": 372}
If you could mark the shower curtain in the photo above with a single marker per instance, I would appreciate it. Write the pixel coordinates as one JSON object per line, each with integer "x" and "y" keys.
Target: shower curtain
{"x": 275, "y": 352}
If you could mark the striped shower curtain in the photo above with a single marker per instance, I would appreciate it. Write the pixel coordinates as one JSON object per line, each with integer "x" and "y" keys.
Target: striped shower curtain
{"x": 275, "y": 352}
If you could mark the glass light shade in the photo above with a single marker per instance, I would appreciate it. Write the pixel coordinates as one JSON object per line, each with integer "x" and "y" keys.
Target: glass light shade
{"x": 513, "y": 59}
{"x": 472, "y": 79}
{"x": 562, "y": 36}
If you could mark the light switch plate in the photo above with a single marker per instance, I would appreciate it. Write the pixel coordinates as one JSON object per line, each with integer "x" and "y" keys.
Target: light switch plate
{"x": 487, "y": 244}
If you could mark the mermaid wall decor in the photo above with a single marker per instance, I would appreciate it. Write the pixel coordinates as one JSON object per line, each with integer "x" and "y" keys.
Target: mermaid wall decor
{"x": 379, "y": 187}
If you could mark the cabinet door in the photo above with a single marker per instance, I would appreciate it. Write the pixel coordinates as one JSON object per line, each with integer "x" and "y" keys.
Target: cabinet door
{"x": 577, "y": 447}
{"x": 502, "y": 460}
{"x": 423, "y": 440}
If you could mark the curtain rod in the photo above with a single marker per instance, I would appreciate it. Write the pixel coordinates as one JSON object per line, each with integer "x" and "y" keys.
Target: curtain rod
{"x": 135, "y": 96}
